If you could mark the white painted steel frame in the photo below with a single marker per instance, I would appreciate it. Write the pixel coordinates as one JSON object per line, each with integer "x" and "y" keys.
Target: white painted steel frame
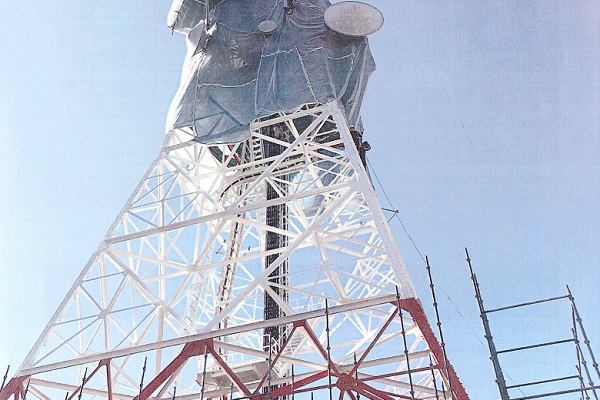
{"x": 197, "y": 217}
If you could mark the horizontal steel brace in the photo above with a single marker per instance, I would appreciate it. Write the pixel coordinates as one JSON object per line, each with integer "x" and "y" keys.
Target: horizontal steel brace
{"x": 73, "y": 388}
{"x": 226, "y": 213}
{"x": 351, "y": 306}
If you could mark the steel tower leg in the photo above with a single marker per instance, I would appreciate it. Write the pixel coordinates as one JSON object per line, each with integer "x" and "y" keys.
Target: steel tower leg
{"x": 185, "y": 277}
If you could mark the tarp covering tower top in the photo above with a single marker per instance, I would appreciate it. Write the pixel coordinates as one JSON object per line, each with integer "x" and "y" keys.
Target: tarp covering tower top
{"x": 234, "y": 72}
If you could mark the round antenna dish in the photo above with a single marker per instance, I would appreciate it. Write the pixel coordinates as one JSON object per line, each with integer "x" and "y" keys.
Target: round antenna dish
{"x": 353, "y": 18}
{"x": 267, "y": 26}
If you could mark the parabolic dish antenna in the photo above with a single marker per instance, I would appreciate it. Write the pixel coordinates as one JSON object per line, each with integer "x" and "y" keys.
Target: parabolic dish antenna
{"x": 353, "y": 18}
{"x": 267, "y": 26}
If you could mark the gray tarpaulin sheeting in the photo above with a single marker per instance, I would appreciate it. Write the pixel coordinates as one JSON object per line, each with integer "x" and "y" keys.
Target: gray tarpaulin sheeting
{"x": 237, "y": 73}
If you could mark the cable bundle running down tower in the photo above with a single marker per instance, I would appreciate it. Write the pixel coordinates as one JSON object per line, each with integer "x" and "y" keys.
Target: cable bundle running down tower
{"x": 253, "y": 259}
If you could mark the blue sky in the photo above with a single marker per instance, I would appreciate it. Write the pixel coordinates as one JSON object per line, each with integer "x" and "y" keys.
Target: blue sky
{"x": 484, "y": 121}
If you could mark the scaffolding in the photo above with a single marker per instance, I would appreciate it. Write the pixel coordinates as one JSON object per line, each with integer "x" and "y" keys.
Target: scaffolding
{"x": 583, "y": 375}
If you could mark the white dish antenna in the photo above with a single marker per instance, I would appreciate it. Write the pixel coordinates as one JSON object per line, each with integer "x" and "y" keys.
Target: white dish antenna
{"x": 353, "y": 18}
{"x": 267, "y": 26}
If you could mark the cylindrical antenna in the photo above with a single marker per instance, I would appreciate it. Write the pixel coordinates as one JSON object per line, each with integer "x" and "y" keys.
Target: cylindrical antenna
{"x": 207, "y": 10}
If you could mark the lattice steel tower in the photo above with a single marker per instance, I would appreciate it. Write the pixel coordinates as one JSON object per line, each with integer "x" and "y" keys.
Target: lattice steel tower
{"x": 253, "y": 259}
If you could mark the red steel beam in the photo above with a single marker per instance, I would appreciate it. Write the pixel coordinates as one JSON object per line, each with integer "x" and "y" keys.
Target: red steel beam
{"x": 230, "y": 374}
{"x": 191, "y": 349}
{"x": 374, "y": 342}
{"x": 285, "y": 343}
{"x": 109, "y": 388}
{"x": 14, "y": 388}
{"x": 413, "y": 307}
{"x": 346, "y": 383}
{"x": 371, "y": 392}
{"x": 100, "y": 365}
{"x": 287, "y": 389}
{"x": 317, "y": 343}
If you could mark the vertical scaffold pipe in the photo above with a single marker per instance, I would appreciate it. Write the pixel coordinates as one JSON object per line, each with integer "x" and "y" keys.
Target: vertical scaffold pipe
{"x": 204, "y": 372}
{"x": 403, "y": 331}
{"x": 293, "y": 378}
{"x": 488, "y": 335}
{"x": 80, "y": 388}
{"x": 4, "y": 379}
{"x": 578, "y": 366}
{"x": 583, "y": 333}
{"x": 29, "y": 381}
{"x": 270, "y": 367}
{"x": 328, "y": 350}
{"x": 437, "y": 397}
{"x": 141, "y": 380}
{"x": 439, "y": 325}
{"x": 356, "y": 376}
{"x": 581, "y": 362}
